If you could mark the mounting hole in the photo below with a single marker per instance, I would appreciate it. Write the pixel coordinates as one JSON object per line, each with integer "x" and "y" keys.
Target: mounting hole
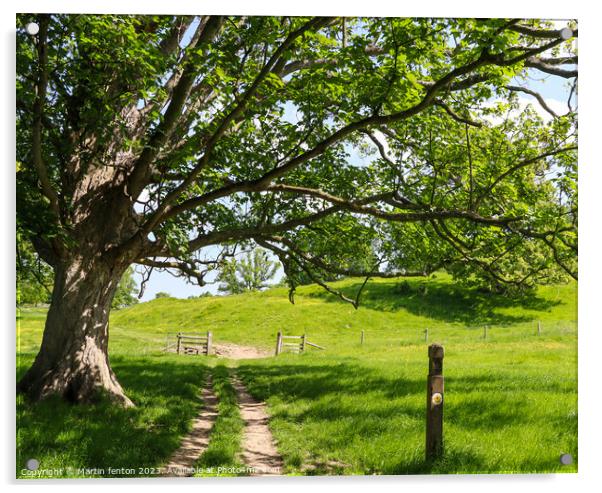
{"x": 566, "y": 459}
{"x": 32, "y": 28}
{"x": 566, "y": 33}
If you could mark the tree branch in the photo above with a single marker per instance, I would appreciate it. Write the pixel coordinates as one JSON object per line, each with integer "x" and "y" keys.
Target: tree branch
{"x": 283, "y": 254}
{"x": 426, "y": 215}
{"x": 524, "y": 163}
{"x": 184, "y": 267}
{"x": 170, "y": 43}
{"x": 38, "y": 118}
{"x": 297, "y": 65}
{"x": 263, "y": 182}
{"x": 166, "y": 210}
{"x": 560, "y": 60}
{"x": 139, "y": 177}
{"x": 158, "y": 215}
{"x": 453, "y": 242}
{"x": 550, "y": 69}
{"x": 354, "y": 272}
{"x": 245, "y": 233}
{"x": 484, "y": 59}
{"x": 540, "y": 33}
{"x": 380, "y": 147}
{"x": 457, "y": 117}
{"x": 536, "y": 95}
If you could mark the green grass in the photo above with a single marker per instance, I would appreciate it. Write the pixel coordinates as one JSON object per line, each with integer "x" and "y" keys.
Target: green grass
{"x": 510, "y": 402}
{"x": 66, "y": 438}
{"x": 358, "y": 415}
{"x": 222, "y": 456}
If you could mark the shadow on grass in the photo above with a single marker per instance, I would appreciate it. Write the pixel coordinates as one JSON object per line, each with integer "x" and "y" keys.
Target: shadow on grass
{"x": 314, "y": 380}
{"x": 102, "y": 436}
{"x": 443, "y": 301}
{"x": 452, "y": 461}
{"x": 339, "y": 404}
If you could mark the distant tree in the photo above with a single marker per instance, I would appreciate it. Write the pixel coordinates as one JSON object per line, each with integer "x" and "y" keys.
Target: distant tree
{"x": 206, "y": 294}
{"x": 250, "y": 273}
{"x": 34, "y": 276}
{"x": 126, "y": 291}
{"x": 162, "y": 294}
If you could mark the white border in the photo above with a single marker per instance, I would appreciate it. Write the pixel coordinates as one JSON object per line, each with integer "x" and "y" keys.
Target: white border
{"x": 590, "y": 181}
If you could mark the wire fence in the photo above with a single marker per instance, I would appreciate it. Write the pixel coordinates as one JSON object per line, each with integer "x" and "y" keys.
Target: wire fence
{"x": 537, "y": 330}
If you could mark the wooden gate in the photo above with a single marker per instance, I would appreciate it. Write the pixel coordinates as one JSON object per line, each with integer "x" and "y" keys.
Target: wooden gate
{"x": 298, "y": 345}
{"x": 194, "y": 343}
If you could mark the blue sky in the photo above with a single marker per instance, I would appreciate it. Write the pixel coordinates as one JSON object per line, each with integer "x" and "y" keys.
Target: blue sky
{"x": 552, "y": 88}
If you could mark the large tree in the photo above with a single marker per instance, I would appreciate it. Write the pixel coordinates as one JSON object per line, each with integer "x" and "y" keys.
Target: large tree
{"x": 369, "y": 147}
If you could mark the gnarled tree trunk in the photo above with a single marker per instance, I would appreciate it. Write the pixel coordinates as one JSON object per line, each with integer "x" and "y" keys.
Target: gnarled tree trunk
{"x": 73, "y": 360}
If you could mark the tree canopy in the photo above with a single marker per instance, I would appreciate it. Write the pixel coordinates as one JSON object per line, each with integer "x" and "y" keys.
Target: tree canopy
{"x": 223, "y": 130}
{"x": 345, "y": 146}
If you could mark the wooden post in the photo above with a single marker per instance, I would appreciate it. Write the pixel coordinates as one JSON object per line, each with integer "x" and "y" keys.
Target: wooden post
{"x": 434, "y": 403}
{"x": 209, "y": 342}
{"x": 303, "y": 342}
{"x": 426, "y": 335}
{"x": 538, "y": 327}
{"x": 485, "y": 332}
{"x": 278, "y": 343}
{"x": 179, "y": 342}
{"x": 362, "y": 338}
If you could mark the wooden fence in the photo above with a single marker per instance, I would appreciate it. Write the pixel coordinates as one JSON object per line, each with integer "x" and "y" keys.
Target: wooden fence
{"x": 298, "y": 346}
{"x": 191, "y": 343}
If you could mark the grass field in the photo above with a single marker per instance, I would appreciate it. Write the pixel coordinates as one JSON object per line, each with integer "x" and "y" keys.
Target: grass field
{"x": 510, "y": 402}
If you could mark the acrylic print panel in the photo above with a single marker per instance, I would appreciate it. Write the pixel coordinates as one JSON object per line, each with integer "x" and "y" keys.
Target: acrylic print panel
{"x": 323, "y": 246}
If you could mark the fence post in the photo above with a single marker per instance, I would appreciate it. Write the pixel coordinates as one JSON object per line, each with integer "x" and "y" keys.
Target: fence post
{"x": 179, "y": 341}
{"x": 426, "y": 335}
{"x": 278, "y": 343}
{"x": 538, "y": 327}
{"x": 209, "y": 342}
{"x": 485, "y": 332}
{"x": 362, "y": 338}
{"x": 434, "y": 403}
{"x": 303, "y": 343}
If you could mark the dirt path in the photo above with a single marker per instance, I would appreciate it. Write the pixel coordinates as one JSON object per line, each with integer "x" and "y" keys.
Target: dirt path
{"x": 235, "y": 351}
{"x": 259, "y": 449}
{"x": 182, "y": 461}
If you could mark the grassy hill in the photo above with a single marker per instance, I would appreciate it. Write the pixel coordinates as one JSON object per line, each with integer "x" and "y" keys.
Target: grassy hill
{"x": 511, "y": 399}
{"x": 391, "y": 310}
